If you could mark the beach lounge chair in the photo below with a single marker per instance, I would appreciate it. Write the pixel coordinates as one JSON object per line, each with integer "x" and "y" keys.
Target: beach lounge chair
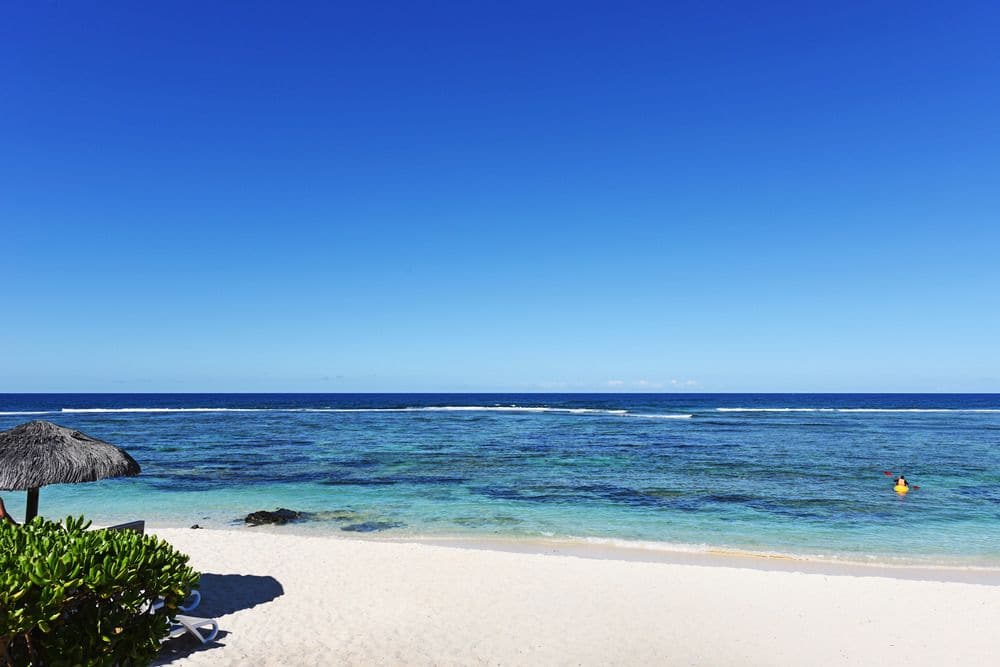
{"x": 140, "y": 527}
{"x": 137, "y": 526}
{"x": 193, "y": 625}
{"x": 182, "y": 623}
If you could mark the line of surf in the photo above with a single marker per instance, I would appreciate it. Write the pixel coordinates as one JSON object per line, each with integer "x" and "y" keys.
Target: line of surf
{"x": 909, "y": 561}
{"x": 154, "y": 410}
{"x": 872, "y": 410}
{"x": 664, "y": 416}
{"x": 428, "y": 408}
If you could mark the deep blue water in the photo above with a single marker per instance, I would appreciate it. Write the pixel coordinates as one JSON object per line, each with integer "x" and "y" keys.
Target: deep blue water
{"x": 799, "y": 473}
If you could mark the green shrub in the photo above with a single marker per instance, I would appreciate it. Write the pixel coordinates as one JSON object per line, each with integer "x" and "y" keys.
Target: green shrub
{"x": 72, "y": 596}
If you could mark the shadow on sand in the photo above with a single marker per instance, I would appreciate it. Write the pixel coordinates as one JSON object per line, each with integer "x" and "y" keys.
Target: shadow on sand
{"x": 221, "y": 594}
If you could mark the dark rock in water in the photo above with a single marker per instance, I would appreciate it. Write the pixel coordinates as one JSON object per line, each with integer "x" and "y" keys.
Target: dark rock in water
{"x": 195, "y": 527}
{"x": 279, "y": 517}
{"x": 372, "y": 526}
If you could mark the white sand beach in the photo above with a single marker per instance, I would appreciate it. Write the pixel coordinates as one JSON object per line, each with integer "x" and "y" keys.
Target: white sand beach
{"x": 295, "y": 600}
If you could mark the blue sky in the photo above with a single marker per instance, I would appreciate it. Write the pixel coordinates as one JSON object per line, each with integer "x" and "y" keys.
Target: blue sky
{"x": 500, "y": 196}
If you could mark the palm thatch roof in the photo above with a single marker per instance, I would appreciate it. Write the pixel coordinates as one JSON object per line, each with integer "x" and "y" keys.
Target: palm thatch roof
{"x": 40, "y": 453}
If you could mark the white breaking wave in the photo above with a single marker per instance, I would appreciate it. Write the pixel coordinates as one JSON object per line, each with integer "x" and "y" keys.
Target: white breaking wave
{"x": 489, "y": 408}
{"x": 98, "y": 410}
{"x": 981, "y": 410}
{"x": 456, "y": 408}
{"x": 775, "y": 409}
{"x": 28, "y": 412}
{"x": 466, "y": 408}
{"x": 889, "y": 410}
{"x": 515, "y": 408}
{"x": 661, "y": 416}
{"x": 428, "y": 408}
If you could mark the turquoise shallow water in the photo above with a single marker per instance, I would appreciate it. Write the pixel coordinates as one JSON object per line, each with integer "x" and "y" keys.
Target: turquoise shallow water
{"x": 793, "y": 474}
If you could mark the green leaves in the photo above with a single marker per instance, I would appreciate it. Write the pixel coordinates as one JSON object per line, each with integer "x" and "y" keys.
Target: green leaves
{"x": 73, "y": 596}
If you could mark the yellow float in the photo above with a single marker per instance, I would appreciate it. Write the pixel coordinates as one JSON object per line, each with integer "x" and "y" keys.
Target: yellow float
{"x": 899, "y": 488}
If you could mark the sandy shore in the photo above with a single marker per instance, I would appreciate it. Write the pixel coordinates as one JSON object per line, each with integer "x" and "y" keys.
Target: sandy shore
{"x": 293, "y": 600}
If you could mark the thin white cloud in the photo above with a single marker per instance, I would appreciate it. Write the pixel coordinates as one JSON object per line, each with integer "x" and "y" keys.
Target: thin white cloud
{"x": 616, "y": 383}
{"x": 647, "y": 384}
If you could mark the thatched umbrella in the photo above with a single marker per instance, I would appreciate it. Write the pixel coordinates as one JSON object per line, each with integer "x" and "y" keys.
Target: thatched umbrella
{"x": 40, "y": 452}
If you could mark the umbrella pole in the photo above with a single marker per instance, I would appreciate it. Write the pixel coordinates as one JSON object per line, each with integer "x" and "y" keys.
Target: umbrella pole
{"x": 31, "y": 511}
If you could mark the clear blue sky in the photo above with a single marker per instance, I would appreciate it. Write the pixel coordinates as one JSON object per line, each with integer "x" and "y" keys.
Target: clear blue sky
{"x": 500, "y": 196}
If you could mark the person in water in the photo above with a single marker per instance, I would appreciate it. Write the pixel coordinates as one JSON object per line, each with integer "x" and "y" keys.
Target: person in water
{"x": 901, "y": 481}
{"x": 3, "y": 514}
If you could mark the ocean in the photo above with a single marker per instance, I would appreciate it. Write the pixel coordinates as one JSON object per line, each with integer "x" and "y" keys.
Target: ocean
{"x": 792, "y": 474}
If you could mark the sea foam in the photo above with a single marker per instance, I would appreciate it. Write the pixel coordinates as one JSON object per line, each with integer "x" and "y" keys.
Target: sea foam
{"x": 148, "y": 410}
{"x": 664, "y": 416}
{"x": 873, "y": 410}
{"x": 532, "y": 409}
